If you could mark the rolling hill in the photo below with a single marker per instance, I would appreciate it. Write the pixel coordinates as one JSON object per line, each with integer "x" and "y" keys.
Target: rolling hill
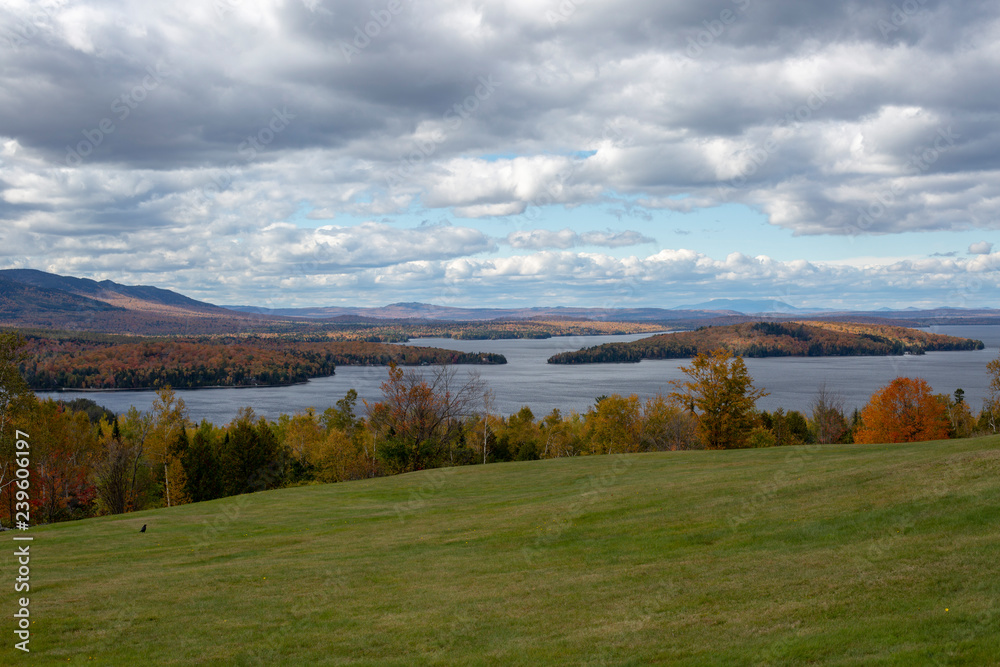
{"x": 835, "y": 555}
{"x": 24, "y": 300}
{"x": 142, "y": 297}
{"x": 35, "y": 299}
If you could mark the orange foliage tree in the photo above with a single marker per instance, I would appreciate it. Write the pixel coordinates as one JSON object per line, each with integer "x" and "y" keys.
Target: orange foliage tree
{"x": 903, "y": 411}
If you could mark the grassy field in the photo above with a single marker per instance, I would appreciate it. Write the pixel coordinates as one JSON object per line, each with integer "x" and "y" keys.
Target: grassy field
{"x": 839, "y": 555}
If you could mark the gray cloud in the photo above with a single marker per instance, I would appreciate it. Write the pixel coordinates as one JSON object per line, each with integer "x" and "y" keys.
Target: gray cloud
{"x": 125, "y": 126}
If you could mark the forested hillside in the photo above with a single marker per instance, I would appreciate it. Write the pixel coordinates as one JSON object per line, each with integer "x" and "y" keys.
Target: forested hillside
{"x": 774, "y": 339}
{"x": 112, "y": 362}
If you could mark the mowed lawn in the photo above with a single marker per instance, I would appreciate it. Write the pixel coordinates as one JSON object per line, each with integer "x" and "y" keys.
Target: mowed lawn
{"x": 839, "y": 555}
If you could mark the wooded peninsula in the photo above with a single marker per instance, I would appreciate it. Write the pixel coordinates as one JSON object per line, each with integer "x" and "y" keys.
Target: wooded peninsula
{"x": 92, "y": 361}
{"x": 774, "y": 339}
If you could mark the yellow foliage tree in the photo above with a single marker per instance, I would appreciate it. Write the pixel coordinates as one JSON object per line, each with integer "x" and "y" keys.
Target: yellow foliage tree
{"x": 614, "y": 425}
{"x": 339, "y": 458}
{"x": 720, "y": 392}
{"x": 991, "y": 407}
{"x": 169, "y": 422}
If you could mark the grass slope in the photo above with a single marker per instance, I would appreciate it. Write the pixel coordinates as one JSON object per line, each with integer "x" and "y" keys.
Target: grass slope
{"x": 840, "y": 555}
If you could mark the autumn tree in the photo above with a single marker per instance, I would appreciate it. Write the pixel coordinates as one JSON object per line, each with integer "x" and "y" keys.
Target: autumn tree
{"x": 991, "y": 407}
{"x": 169, "y": 420}
{"x": 562, "y": 436}
{"x": 962, "y": 421}
{"x": 614, "y": 425}
{"x": 136, "y": 427}
{"x": 519, "y": 437}
{"x": 903, "y": 411}
{"x": 15, "y": 401}
{"x": 15, "y": 396}
{"x": 301, "y": 434}
{"x": 787, "y": 428}
{"x": 339, "y": 457}
{"x": 420, "y": 422}
{"x": 116, "y": 470}
{"x": 761, "y": 437}
{"x": 483, "y": 432}
{"x": 63, "y": 450}
{"x": 344, "y": 415}
{"x": 667, "y": 427}
{"x": 828, "y": 420}
{"x": 329, "y": 448}
{"x": 721, "y": 394}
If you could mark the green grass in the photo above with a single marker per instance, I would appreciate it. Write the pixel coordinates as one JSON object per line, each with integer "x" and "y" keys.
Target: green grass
{"x": 839, "y": 555}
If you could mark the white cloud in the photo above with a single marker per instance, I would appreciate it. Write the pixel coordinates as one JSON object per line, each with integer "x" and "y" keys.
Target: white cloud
{"x": 282, "y": 247}
{"x": 537, "y": 239}
{"x": 805, "y": 113}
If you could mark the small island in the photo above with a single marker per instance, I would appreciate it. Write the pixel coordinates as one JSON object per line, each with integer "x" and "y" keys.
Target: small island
{"x": 774, "y": 339}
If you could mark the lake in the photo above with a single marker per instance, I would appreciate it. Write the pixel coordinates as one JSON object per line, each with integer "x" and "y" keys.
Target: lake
{"x": 527, "y": 380}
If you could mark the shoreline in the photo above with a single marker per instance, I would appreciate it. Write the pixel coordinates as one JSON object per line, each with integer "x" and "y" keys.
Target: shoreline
{"x": 112, "y": 390}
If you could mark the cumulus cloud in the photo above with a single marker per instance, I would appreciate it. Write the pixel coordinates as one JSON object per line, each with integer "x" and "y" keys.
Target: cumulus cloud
{"x": 128, "y": 126}
{"x": 331, "y": 249}
{"x": 665, "y": 279}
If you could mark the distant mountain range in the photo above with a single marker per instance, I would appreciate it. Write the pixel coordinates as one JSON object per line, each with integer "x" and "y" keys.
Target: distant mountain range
{"x": 750, "y": 306}
{"x": 724, "y": 308}
{"x": 424, "y": 311}
{"x": 36, "y": 299}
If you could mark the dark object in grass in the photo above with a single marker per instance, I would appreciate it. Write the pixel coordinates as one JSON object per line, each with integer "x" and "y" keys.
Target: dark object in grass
{"x": 143, "y": 529}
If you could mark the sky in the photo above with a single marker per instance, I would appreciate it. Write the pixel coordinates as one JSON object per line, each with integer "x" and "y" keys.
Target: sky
{"x": 631, "y": 153}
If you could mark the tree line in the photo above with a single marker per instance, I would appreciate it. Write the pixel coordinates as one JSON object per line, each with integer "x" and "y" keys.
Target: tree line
{"x": 87, "y": 461}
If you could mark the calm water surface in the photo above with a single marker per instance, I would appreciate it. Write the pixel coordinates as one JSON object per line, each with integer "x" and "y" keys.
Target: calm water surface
{"x": 527, "y": 380}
